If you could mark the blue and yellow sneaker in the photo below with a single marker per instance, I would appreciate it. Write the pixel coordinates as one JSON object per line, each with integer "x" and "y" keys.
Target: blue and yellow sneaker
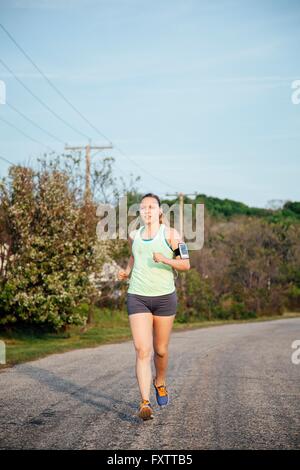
{"x": 162, "y": 395}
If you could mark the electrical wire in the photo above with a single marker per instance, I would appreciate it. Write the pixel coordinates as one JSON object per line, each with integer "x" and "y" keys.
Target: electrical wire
{"x": 42, "y": 102}
{"x": 7, "y": 161}
{"x": 72, "y": 106}
{"x": 34, "y": 123}
{"x": 26, "y": 135}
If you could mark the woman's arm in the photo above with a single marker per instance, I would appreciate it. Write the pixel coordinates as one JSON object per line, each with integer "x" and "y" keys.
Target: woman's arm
{"x": 123, "y": 274}
{"x": 177, "y": 263}
{"x": 130, "y": 264}
{"x": 131, "y": 259}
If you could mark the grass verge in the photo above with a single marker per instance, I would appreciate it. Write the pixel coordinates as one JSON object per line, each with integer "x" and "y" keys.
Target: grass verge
{"x": 108, "y": 327}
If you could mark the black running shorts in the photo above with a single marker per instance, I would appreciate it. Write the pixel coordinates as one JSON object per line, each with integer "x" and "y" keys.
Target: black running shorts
{"x": 162, "y": 305}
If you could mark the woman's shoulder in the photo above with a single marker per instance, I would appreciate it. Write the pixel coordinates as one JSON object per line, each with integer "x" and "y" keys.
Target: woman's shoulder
{"x": 172, "y": 235}
{"x": 171, "y": 232}
{"x": 133, "y": 233}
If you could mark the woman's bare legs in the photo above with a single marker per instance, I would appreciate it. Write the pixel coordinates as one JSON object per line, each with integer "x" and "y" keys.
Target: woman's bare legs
{"x": 141, "y": 325}
{"x": 162, "y": 327}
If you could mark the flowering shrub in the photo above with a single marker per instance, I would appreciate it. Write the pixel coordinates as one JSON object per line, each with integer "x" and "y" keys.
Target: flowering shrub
{"x": 48, "y": 238}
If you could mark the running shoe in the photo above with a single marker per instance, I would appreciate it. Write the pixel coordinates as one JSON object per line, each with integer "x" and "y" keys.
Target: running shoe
{"x": 145, "y": 411}
{"x": 162, "y": 395}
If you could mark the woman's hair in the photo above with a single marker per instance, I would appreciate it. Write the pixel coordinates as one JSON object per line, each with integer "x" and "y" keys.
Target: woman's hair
{"x": 161, "y": 216}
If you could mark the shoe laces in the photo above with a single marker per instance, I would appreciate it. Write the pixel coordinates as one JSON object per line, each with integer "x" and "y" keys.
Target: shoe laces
{"x": 145, "y": 403}
{"x": 162, "y": 390}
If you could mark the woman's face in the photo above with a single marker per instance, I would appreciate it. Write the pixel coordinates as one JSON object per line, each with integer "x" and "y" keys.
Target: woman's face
{"x": 149, "y": 210}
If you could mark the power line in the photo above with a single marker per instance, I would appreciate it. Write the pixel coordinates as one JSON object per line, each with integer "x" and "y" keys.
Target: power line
{"x": 42, "y": 102}
{"x": 69, "y": 125}
{"x": 52, "y": 84}
{"x": 26, "y": 135}
{"x": 117, "y": 166}
{"x": 34, "y": 123}
{"x": 73, "y": 107}
{"x": 88, "y": 165}
{"x": 7, "y": 161}
{"x": 145, "y": 171}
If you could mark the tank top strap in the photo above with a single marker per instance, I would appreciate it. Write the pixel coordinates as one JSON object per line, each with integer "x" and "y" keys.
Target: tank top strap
{"x": 162, "y": 231}
{"x": 139, "y": 231}
{"x": 135, "y": 233}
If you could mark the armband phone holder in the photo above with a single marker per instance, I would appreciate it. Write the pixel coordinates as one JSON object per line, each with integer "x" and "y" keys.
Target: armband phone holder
{"x": 182, "y": 251}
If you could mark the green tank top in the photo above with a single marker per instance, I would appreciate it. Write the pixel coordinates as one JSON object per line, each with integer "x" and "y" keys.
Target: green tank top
{"x": 147, "y": 276}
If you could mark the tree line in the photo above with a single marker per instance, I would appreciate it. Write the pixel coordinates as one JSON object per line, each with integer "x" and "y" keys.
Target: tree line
{"x": 50, "y": 256}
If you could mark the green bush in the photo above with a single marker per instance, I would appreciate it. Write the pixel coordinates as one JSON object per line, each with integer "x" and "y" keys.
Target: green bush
{"x": 51, "y": 249}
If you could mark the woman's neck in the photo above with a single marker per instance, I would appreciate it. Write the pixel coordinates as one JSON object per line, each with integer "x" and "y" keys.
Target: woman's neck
{"x": 151, "y": 229}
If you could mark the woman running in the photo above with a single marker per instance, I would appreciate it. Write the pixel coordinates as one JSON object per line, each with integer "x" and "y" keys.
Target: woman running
{"x": 151, "y": 298}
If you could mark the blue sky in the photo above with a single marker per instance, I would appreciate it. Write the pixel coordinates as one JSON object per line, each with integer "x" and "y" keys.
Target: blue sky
{"x": 197, "y": 93}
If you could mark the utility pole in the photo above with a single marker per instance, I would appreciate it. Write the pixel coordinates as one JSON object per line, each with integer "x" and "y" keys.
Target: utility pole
{"x": 88, "y": 148}
{"x": 87, "y": 193}
{"x": 181, "y": 195}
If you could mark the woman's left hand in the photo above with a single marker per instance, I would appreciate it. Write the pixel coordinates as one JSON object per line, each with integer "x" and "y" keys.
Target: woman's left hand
{"x": 158, "y": 257}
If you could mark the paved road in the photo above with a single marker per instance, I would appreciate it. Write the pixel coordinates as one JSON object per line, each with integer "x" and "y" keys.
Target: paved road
{"x": 231, "y": 386}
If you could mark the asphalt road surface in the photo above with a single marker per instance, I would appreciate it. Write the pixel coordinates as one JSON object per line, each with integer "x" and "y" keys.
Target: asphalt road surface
{"x": 231, "y": 387}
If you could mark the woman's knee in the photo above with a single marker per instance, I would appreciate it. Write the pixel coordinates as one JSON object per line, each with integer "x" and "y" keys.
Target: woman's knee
{"x": 161, "y": 351}
{"x": 143, "y": 352}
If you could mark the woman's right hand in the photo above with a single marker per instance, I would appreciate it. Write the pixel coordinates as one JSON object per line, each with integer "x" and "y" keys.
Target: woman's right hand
{"x": 123, "y": 274}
